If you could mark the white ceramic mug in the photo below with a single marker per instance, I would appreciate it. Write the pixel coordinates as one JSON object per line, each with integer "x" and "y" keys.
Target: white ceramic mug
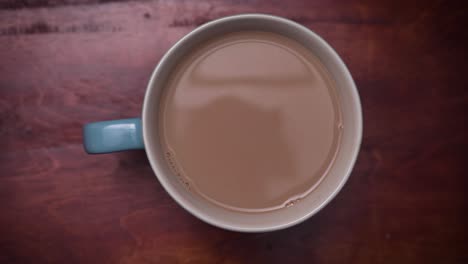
{"x": 109, "y": 136}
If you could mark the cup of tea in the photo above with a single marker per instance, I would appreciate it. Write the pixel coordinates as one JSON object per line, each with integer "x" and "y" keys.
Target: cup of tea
{"x": 250, "y": 122}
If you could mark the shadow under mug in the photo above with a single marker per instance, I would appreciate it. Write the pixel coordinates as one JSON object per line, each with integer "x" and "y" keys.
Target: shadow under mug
{"x": 136, "y": 133}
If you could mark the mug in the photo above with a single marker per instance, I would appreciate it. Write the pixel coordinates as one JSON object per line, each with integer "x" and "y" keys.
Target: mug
{"x": 136, "y": 133}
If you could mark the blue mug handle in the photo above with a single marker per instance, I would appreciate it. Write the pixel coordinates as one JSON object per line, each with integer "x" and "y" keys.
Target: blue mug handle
{"x": 113, "y": 136}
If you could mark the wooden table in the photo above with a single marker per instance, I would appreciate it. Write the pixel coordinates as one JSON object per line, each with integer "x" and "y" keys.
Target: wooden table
{"x": 64, "y": 63}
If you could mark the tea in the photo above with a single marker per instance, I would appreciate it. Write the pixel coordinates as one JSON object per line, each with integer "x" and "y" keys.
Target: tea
{"x": 250, "y": 121}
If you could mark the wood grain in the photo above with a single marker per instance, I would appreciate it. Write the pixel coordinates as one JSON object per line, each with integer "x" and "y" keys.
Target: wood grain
{"x": 67, "y": 62}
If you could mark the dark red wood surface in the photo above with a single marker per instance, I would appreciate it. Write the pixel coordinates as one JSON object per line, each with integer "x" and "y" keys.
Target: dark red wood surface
{"x": 67, "y": 62}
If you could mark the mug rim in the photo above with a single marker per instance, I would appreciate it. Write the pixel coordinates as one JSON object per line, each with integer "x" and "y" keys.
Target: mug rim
{"x": 354, "y": 98}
